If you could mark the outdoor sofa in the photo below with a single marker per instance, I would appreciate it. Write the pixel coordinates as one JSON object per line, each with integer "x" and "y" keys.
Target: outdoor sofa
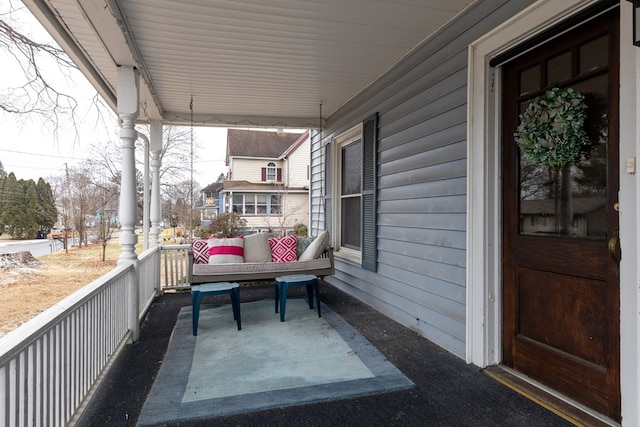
{"x": 260, "y": 258}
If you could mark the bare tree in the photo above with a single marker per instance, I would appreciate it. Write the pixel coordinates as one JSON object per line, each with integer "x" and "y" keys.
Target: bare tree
{"x": 82, "y": 190}
{"x": 39, "y": 78}
{"x": 176, "y": 153}
{"x": 106, "y": 197}
{"x": 180, "y": 203}
{"x": 60, "y": 191}
{"x": 179, "y": 193}
{"x": 286, "y": 211}
{"x": 37, "y": 94}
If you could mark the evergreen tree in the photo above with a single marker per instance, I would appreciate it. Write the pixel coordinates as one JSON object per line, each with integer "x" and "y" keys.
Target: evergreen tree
{"x": 13, "y": 206}
{"x": 26, "y": 208}
{"x": 3, "y": 173}
{"x": 33, "y": 214}
{"x": 48, "y": 205}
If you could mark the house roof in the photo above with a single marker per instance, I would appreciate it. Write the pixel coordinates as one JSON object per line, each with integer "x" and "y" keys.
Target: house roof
{"x": 215, "y": 187}
{"x": 277, "y": 64}
{"x": 259, "y": 144}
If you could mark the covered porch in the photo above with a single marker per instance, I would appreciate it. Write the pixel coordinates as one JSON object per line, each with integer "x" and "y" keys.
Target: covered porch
{"x": 228, "y": 64}
{"x": 447, "y": 391}
{"x": 427, "y": 68}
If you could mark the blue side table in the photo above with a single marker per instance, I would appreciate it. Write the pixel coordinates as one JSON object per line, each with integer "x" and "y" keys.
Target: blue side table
{"x": 198, "y": 291}
{"x": 283, "y": 283}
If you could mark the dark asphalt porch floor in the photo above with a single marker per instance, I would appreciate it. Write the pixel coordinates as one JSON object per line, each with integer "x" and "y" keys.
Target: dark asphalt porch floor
{"x": 448, "y": 391}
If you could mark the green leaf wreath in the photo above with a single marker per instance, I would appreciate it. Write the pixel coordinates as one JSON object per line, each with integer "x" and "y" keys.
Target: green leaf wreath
{"x": 551, "y": 130}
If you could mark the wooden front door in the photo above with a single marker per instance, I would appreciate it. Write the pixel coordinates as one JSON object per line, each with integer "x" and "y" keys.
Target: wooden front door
{"x": 560, "y": 224}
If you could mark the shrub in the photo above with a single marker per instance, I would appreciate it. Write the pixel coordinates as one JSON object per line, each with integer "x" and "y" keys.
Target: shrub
{"x": 226, "y": 225}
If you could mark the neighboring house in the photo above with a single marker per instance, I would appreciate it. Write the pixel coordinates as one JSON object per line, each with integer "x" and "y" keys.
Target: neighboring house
{"x": 210, "y": 206}
{"x": 268, "y": 179}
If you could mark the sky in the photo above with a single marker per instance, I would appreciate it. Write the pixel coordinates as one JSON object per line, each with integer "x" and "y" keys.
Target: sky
{"x": 29, "y": 147}
{"x": 31, "y": 151}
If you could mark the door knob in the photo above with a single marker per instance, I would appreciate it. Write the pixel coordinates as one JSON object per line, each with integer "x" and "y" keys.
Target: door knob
{"x": 614, "y": 242}
{"x": 613, "y": 247}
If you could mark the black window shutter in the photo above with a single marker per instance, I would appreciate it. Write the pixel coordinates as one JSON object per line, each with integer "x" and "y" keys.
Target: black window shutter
{"x": 369, "y": 177}
{"x": 264, "y": 174}
{"x": 279, "y": 174}
{"x": 328, "y": 185}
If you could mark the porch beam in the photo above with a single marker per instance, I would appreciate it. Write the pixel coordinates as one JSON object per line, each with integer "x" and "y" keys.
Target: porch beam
{"x": 227, "y": 120}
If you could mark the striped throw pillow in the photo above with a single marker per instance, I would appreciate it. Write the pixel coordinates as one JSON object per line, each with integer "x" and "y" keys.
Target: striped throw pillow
{"x": 226, "y": 251}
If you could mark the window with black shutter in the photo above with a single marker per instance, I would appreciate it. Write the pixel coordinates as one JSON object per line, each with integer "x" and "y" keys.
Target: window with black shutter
{"x": 350, "y": 199}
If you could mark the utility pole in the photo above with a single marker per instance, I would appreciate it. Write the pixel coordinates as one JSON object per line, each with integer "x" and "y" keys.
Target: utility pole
{"x": 71, "y": 215}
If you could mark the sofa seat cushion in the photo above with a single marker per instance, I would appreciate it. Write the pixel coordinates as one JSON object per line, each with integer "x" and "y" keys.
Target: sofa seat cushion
{"x": 255, "y": 267}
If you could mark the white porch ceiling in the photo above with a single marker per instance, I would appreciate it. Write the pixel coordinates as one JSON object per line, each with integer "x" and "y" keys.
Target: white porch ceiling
{"x": 245, "y": 62}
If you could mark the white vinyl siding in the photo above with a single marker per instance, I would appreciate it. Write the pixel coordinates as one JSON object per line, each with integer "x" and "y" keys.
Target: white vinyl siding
{"x": 251, "y": 169}
{"x": 421, "y": 181}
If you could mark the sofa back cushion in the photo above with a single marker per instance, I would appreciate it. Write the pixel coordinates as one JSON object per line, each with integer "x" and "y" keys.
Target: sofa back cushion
{"x": 225, "y": 251}
{"x": 316, "y": 248}
{"x": 200, "y": 250}
{"x": 283, "y": 249}
{"x": 256, "y": 248}
{"x": 302, "y": 244}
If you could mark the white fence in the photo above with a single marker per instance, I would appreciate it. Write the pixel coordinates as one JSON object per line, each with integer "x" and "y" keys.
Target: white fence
{"x": 50, "y": 365}
{"x": 174, "y": 267}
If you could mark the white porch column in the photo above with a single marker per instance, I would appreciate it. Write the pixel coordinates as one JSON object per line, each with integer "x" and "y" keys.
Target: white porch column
{"x": 128, "y": 113}
{"x": 156, "y": 163}
{"x": 146, "y": 196}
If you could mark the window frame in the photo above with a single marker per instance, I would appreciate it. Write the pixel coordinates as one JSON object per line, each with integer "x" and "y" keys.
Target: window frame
{"x": 271, "y": 172}
{"x": 253, "y": 202}
{"x": 344, "y": 139}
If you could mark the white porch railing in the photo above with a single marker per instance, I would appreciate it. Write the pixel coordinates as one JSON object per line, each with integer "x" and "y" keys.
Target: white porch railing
{"x": 149, "y": 278}
{"x": 174, "y": 267}
{"x": 50, "y": 365}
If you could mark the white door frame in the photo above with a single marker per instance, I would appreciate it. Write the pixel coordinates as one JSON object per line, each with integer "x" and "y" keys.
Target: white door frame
{"x": 484, "y": 241}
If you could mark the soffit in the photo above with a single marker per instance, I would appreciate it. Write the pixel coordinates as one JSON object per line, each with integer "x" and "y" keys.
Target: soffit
{"x": 244, "y": 62}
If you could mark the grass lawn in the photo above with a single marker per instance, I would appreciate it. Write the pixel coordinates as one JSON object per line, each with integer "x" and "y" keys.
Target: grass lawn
{"x": 29, "y": 290}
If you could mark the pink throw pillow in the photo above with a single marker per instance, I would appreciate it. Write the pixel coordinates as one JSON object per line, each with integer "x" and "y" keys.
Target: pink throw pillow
{"x": 283, "y": 249}
{"x": 200, "y": 251}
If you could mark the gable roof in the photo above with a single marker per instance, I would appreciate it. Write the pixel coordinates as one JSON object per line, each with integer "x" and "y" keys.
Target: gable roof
{"x": 214, "y": 187}
{"x": 258, "y": 144}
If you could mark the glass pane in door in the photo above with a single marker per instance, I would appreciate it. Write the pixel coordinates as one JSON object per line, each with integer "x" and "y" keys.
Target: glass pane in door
{"x": 570, "y": 200}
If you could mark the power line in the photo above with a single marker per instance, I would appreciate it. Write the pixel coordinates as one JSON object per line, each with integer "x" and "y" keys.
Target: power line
{"x": 41, "y": 155}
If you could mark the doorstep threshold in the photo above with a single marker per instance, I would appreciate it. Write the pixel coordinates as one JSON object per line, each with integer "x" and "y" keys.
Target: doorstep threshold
{"x": 560, "y": 405}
